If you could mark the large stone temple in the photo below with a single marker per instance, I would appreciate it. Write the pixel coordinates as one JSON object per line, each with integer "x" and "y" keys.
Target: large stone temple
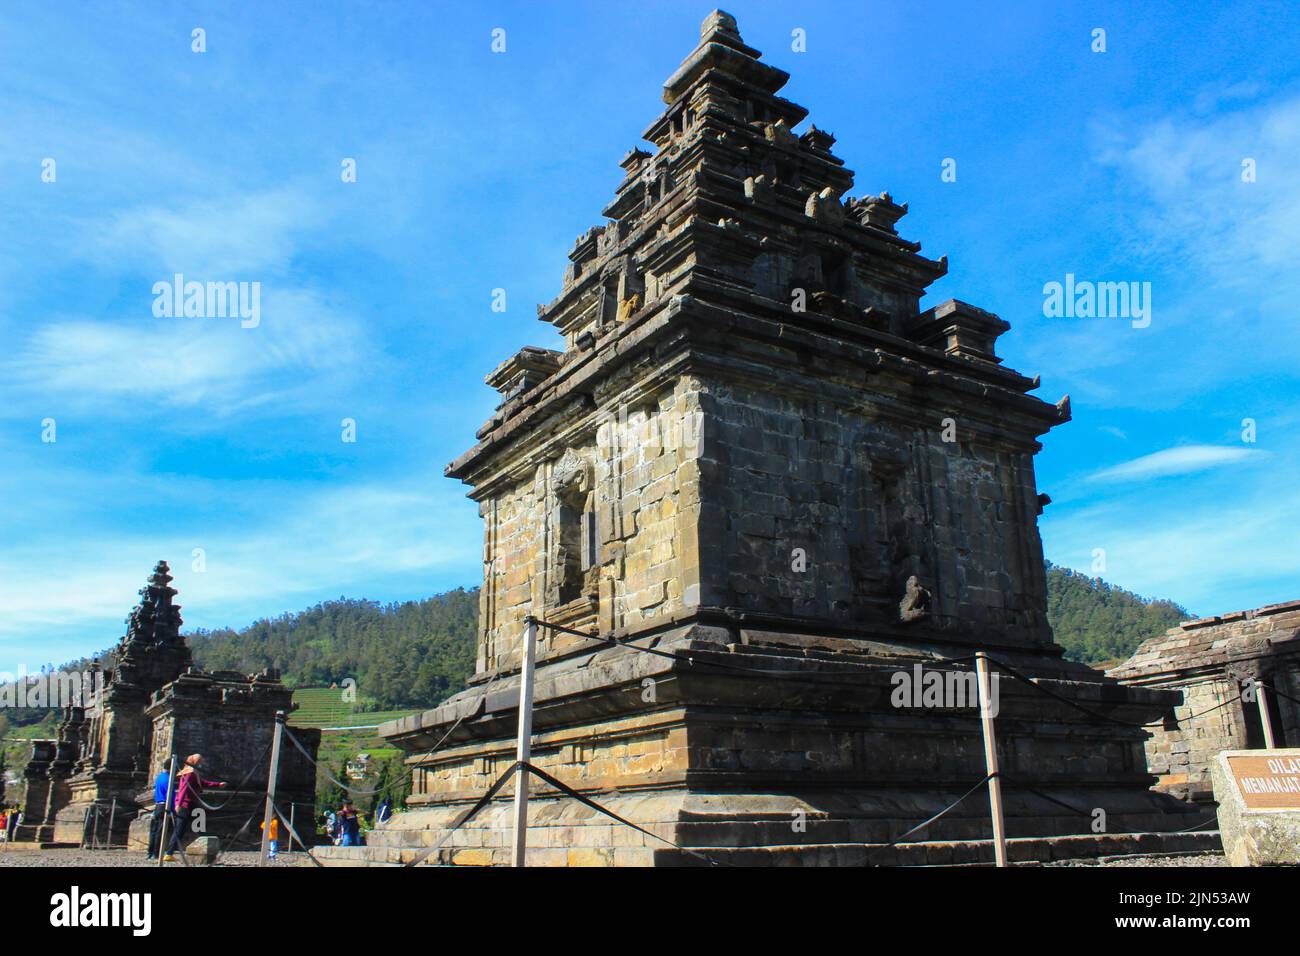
{"x": 757, "y": 456}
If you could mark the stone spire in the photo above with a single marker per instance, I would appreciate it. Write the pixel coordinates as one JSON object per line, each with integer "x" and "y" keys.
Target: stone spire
{"x": 155, "y": 620}
{"x": 733, "y": 199}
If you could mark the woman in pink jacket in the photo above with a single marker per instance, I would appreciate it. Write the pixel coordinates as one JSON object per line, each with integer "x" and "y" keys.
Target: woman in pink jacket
{"x": 189, "y": 787}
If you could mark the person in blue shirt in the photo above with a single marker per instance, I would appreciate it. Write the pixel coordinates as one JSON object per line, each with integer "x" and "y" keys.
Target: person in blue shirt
{"x": 160, "y": 785}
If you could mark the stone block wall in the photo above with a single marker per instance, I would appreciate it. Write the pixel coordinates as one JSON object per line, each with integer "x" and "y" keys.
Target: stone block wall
{"x": 634, "y": 481}
{"x": 869, "y": 502}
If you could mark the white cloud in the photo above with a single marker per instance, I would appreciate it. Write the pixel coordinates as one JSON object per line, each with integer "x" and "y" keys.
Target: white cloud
{"x": 1218, "y": 251}
{"x": 236, "y": 237}
{"x": 1177, "y": 461}
{"x": 303, "y": 349}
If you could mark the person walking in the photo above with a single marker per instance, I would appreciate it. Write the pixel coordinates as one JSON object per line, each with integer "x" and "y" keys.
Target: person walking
{"x": 189, "y": 789}
{"x": 160, "y": 811}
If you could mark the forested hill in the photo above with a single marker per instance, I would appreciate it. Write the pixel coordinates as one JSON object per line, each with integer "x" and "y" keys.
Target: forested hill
{"x": 413, "y": 654}
{"x": 1097, "y": 622}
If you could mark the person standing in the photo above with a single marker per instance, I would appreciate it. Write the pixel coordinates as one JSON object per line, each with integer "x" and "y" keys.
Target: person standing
{"x": 189, "y": 789}
{"x": 350, "y": 825}
{"x": 160, "y": 810}
{"x": 272, "y": 837}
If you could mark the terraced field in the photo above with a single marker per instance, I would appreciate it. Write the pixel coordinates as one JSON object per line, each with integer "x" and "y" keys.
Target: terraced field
{"x": 324, "y": 707}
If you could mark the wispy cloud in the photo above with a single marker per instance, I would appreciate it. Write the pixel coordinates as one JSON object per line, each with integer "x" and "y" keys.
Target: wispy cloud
{"x": 301, "y": 351}
{"x": 1177, "y": 461}
{"x": 221, "y": 237}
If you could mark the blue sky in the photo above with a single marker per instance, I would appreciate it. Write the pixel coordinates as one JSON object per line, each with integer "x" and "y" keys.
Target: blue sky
{"x": 476, "y": 171}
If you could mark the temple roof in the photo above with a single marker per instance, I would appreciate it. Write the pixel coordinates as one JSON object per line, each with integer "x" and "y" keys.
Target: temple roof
{"x": 1213, "y": 642}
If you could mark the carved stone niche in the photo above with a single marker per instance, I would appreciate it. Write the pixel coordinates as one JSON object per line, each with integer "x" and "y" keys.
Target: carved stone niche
{"x": 573, "y": 582}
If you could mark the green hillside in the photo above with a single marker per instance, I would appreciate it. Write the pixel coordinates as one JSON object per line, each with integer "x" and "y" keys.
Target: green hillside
{"x": 400, "y": 656}
{"x": 1099, "y": 623}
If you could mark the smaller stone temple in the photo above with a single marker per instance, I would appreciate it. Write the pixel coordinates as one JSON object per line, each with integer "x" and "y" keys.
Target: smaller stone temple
{"x": 154, "y": 703}
{"x": 229, "y": 717}
{"x": 1213, "y": 662}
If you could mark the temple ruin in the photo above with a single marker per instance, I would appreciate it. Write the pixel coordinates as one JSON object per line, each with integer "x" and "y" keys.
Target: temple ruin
{"x": 94, "y": 782}
{"x": 759, "y": 458}
{"x": 1213, "y": 662}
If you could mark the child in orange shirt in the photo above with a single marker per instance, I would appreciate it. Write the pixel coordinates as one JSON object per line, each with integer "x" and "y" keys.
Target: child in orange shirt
{"x": 273, "y": 837}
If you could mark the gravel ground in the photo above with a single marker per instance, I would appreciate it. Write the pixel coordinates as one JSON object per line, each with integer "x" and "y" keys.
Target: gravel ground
{"x": 107, "y": 858}
{"x": 1194, "y": 859}
{"x": 114, "y": 858}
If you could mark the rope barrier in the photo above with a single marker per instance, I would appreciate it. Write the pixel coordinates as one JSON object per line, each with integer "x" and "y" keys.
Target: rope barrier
{"x": 1280, "y": 693}
{"x": 946, "y": 810}
{"x": 769, "y": 672}
{"x": 240, "y": 786}
{"x": 587, "y": 801}
{"x": 1051, "y": 799}
{"x": 293, "y": 835}
{"x": 410, "y": 771}
{"x": 519, "y": 766}
{"x": 328, "y": 776}
{"x": 464, "y": 818}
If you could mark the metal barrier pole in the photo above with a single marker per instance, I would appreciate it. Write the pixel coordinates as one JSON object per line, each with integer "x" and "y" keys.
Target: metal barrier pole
{"x": 991, "y": 758}
{"x": 1261, "y": 697}
{"x": 167, "y": 809}
{"x": 524, "y": 750}
{"x": 269, "y": 814}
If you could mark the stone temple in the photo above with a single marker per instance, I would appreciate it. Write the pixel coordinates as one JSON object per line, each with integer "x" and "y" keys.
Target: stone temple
{"x": 758, "y": 456}
{"x": 1210, "y": 661}
{"x": 94, "y": 782}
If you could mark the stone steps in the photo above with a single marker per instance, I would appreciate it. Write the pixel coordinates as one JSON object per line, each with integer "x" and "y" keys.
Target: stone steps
{"x": 1020, "y": 850}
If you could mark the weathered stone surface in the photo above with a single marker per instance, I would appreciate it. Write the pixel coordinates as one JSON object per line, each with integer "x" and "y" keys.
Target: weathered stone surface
{"x": 1211, "y": 661}
{"x": 203, "y": 850}
{"x": 1255, "y": 836}
{"x": 756, "y": 455}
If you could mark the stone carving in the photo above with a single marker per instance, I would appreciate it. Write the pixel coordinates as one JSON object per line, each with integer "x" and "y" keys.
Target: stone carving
{"x": 824, "y": 207}
{"x": 629, "y": 307}
{"x": 571, "y": 473}
{"x": 916, "y": 601}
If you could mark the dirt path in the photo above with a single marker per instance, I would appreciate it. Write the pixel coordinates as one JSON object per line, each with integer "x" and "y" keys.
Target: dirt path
{"x": 119, "y": 858}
